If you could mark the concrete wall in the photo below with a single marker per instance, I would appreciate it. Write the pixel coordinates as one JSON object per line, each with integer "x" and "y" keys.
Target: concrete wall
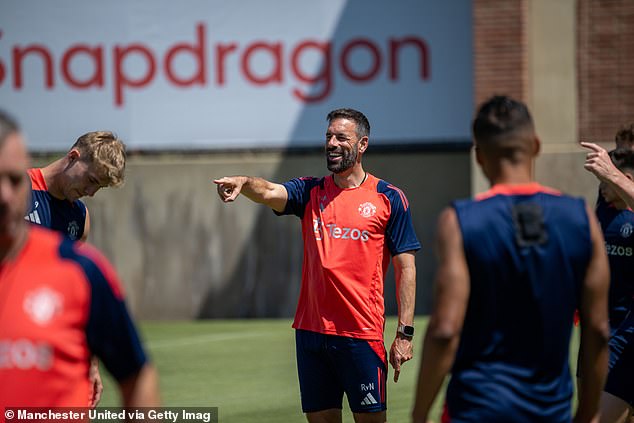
{"x": 554, "y": 98}
{"x": 535, "y": 53}
{"x": 181, "y": 253}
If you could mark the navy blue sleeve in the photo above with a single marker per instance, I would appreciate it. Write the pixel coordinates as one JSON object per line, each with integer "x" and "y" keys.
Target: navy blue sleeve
{"x": 110, "y": 332}
{"x": 298, "y": 190}
{"x": 400, "y": 234}
{"x": 31, "y": 204}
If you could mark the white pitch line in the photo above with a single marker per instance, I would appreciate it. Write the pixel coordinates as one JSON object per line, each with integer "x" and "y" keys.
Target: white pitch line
{"x": 202, "y": 339}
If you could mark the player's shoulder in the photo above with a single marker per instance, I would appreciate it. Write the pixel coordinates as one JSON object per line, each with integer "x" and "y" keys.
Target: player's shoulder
{"x": 82, "y": 206}
{"x": 37, "y": 179}
{"x": 53, "y": 251}
{"x": 305, "y": 183}
{"x": 394, "y": 194}
{"x": 95, "y": 266}
{"x": 309, "y": 180}
{"x": 382, "y": 185}
{"x": 44, "y": 239}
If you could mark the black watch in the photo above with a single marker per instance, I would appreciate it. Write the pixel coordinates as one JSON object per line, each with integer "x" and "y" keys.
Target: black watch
{"x": 405, "y": 330}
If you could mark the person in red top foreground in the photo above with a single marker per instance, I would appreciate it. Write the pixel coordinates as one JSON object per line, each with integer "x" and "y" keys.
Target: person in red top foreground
{"x": 60, "y": 303}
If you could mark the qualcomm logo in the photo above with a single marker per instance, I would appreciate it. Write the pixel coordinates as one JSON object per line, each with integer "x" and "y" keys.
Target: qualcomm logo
{"x": 337, "y": 232}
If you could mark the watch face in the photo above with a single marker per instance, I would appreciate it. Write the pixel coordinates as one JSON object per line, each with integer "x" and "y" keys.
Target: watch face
{"x": 407, "y": 330}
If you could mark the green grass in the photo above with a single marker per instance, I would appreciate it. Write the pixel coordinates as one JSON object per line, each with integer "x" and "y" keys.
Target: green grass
{"x": 246, "y": 368}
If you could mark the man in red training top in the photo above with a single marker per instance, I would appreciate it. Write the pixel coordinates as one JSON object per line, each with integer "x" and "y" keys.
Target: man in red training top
{"x": 60, "y": 303}
{"x": 352, "y": 224}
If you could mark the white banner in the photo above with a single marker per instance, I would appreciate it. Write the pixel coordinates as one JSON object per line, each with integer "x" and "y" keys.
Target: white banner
{"x": 235, "y": 74}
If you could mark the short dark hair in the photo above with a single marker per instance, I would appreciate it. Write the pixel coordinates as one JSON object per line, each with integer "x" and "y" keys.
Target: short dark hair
{"x": 363, "y": 125}
{"x": 504, "y": 125}
{"x": 8, "y": 126}
{"x": 625, "y": 134}
{"x": 623, "y": 158}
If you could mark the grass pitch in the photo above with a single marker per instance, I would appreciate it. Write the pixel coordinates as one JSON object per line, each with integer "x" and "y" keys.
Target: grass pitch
{"x": 246, "y": 368}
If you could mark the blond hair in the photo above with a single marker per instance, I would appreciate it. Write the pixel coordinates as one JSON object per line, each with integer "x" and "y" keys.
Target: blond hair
{"x": 106, "y": 151}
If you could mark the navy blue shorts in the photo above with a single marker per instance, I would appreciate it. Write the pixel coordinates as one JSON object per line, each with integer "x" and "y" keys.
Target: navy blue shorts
{"x": 620, "y": 382}
{"x": 329, "y": 366}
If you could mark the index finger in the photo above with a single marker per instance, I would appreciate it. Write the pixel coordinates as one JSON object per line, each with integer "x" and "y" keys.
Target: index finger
{"x": 591, "y": 146}
{"x": 220, "y": 180}
{"x": 397, "y": 373}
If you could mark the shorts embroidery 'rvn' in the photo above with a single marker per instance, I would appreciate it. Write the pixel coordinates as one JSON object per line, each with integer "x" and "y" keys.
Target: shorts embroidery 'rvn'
{"x": 329, "y": 366}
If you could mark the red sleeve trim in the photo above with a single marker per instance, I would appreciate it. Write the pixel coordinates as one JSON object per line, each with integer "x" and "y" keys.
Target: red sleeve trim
{"x": 37, "y": 179}
{"x": 516, "y": 189}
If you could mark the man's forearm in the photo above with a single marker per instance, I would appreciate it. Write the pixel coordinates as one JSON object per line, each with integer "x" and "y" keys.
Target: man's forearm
{"x": 141, "y": 389}
{"x": 438, "y": 355}
{"x": 624, "y": 187}
{"x": 255, "y": 189}
{"x": 405, "y": 275}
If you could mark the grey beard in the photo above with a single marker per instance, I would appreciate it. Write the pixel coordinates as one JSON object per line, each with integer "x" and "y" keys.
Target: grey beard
{"x": 347, "y": 161}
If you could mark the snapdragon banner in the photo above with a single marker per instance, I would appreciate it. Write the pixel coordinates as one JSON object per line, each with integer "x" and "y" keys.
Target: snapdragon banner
{"x": 194, "y": 74}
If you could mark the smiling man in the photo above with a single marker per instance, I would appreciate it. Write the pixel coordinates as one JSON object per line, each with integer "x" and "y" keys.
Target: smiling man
{"x": 352, "y": 223}
{"x": 95, "y": 161}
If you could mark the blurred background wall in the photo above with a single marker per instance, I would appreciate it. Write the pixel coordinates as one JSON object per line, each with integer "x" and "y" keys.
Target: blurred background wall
{"x": 183, "y": 254}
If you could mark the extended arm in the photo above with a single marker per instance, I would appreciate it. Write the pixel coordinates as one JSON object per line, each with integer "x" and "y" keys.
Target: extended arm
{"x": 96, "y": 384}
{"x": 405, "y": 275}
{"x": 141, "y": 389}
{"x": 593, "y": 313}
{"x": 256, "y": 189}
{"x": 451, "y": 295}
{"x": 599, "y": 163}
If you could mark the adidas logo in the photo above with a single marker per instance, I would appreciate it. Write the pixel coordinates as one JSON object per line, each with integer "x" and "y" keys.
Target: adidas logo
{"x": 33, "y": 217}
{"x": 368, "y": 400}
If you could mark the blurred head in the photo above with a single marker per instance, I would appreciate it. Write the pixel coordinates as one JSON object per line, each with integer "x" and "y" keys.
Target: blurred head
{"x": 624, "y": 138}
{"x": 503, "y": 129}
{"x": 623, "y": 159}
{"x": 14, "y": 182}
{"x": 346, "y": 139}
{"x": 95, "y": 161}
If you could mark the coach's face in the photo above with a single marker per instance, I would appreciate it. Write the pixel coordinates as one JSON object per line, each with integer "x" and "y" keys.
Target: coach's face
{"x": 342, "y": 145}
{"x": 14, "y": 187}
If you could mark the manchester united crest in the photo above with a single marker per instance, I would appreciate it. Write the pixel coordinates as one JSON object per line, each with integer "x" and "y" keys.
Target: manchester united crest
{"x": 367, "y": 209}
{"x": 73, "y": 230}
{"x": 42, "y": 305}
